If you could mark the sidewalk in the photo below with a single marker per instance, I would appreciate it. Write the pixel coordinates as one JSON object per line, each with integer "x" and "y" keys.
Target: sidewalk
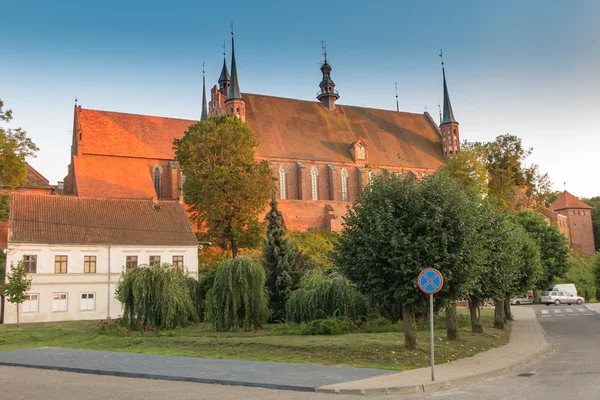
{"x": 527, "y": 342}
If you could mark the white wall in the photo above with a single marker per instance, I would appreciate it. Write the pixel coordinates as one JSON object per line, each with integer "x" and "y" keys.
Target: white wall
{"x": 75, "y": 282}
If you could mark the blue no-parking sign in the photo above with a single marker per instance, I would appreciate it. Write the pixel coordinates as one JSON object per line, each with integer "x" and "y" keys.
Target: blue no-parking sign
{"x": 430, "y": 281}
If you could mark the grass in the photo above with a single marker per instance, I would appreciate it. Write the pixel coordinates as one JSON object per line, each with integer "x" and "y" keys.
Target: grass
{"x": 276, "y": 342}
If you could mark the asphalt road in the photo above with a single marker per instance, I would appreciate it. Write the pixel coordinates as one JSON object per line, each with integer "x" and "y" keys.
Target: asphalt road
{"x": 572, "y": 372}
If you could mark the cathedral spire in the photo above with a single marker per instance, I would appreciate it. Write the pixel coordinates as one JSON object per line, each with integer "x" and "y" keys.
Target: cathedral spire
{"x": 224, "y": 79}
{"x": 204, "y": 109}
{"x": 234, "y": 89}
{"x": 448, "y": 125}
{"x": 448, "y": 114}
{"x": 328, "y": 95}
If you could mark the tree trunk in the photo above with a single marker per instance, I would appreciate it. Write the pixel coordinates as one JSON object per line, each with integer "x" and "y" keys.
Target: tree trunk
{"x": 410, "y": 326}
{"x": 451, "y": 321}
{"x": 499, "y": 313}
{"x": 474, "y": 310}
{"x": 17, "y": 313}
{"x": 536, "y": 299}
{"x": 234, "y": 250}
{"x": 507, "y": 313}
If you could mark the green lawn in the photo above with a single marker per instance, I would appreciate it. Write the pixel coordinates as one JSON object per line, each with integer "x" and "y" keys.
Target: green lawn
{"x": 275, "y": 342}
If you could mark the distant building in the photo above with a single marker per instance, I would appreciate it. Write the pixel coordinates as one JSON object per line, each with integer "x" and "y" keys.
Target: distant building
{"x": 75, "y": 250}
{"x": 322, "y": 153}
{"x": 579, "y": 221}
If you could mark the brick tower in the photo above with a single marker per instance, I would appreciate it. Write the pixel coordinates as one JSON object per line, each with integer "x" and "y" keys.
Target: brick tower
{"x": 579, "y": 217}
{"x": 448, "y": 125}
{"x": 235, "y": 105}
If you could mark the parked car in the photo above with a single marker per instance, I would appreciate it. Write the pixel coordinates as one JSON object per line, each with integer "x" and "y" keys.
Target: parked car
{"x": 560, "y": 297}
{"x": 523, "y": 299}
{"x": 564, "y": 287}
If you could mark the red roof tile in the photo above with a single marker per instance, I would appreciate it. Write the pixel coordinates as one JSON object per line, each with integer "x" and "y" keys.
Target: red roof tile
{"x": 567, "y": 200}
{"x": 81, "y": 220}
{"x": 112, "y": 177}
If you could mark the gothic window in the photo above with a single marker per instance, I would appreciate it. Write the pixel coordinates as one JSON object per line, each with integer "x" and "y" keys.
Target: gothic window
{"x": 314, "y": 175}
{"x": 282, "y": 183}
{"x": 157, "y": 181}
{"x": 344, "y": 185}
{"x": 361, "y": 153}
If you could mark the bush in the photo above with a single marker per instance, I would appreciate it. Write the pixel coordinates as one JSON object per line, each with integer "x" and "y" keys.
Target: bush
{"x": 378, "y": 324}
{"x": 327, "y": 326}
{"x": 322, "y": 297}
{"x": 198, "y": 290}
{"x": 237, "y": 299}
{"x": 156, "y": 296}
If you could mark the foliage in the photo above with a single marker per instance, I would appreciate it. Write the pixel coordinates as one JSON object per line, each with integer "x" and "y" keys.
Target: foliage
{"x": 582, "y": 272}
{"x": 238, "y": 299}
{"x": 317, "y": 245}
{"x": 327, "y": 326}
{"x": 468, "y": 167}
{"x": 594, "y": 202}
{"x": 15, "y": 147}
{"x": 156, "y": 296}
{"x": 4, "y": 208}
{"x": 325, "y": 296}
{"x": 17, "y": 285}
{"x": 553, "y": 246}
{"x": 225, "y": 187}
{"x": 284, "y": 265}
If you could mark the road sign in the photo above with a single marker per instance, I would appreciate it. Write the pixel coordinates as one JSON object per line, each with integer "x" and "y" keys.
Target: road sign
{"x": 430, "y": 281}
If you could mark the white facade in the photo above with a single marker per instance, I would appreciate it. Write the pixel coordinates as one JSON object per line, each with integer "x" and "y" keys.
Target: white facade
{"x": 80, "y": 295}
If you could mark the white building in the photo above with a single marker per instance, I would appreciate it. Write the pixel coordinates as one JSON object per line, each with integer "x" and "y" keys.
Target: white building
{"x": 76, "y": 249}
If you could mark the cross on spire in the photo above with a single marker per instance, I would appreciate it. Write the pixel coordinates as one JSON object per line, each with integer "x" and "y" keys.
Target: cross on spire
{"x": 397, "y": 107}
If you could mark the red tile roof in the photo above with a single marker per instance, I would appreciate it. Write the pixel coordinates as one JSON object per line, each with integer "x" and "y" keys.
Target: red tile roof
{"x": 81, "y": 220}
{"x": 566, "y": 201}
{"x": 112, "y": 177}
{"x": 284, "y": 128}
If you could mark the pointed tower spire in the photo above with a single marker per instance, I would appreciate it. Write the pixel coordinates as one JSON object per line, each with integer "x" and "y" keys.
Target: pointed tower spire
{"x": 204, "y": 108}
{"x": 328, "y": 95}
{"x": 235, "y": 105}
{"x": 224, "y": 79}
{"x": 448, "y": 124}
{"x": 234, "y": 89}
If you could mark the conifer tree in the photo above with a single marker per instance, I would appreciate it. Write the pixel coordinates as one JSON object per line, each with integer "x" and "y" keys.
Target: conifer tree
{"x": 284, "y": 264}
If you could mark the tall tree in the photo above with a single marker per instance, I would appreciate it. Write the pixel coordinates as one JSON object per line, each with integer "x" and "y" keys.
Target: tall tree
{"x": 595, "y": 203}
{"x": 468, "y": 167}
{"x": 17, "y": 286}
{"x": 284, "y": 264}
{"x": 225, "y": 187}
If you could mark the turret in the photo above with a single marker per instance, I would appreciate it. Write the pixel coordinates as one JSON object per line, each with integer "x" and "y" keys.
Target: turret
{"x": 328, "y": 95}
{"x": 235, "y": 105}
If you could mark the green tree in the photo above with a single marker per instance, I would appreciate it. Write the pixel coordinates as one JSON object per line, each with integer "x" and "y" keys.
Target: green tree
{"x": 594, "y": 202}
{"x": 225, "y": 187}
{"x": 156, "y": 296}
{"x": 553, "y": 247}
{"x": 468, "y": 167}
{"x": 284, "y": 265}
{"x": 17, "y": 286}
{"x": 238, "y": 299}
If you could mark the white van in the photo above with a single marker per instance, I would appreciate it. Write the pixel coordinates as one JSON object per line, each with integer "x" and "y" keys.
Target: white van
{"x": 564, "y": 287}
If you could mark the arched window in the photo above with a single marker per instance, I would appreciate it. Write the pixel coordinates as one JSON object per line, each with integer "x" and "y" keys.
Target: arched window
{"x": 157, "y": 181}
{"x": 282, "y": 183}
{"x": 314, "y": 175}
{"x": 344, "y": 185}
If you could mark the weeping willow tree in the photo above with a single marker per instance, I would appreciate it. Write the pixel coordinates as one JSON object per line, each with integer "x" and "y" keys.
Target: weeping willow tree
{"x": 156, "y": 296}
{"x": 322, "y": 297}
{"x": 238, "y": 299}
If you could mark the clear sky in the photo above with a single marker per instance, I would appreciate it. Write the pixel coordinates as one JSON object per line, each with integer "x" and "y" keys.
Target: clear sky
{"x": 529, "y": 68}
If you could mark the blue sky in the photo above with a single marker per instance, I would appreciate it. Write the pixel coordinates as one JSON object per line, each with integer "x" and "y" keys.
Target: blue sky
{"x": 528, "y": 68}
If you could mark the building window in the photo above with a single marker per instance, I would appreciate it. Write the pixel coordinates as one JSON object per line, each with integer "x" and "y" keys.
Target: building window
{"x": 314, "y": 175}
{"x": 31, "y": 303}
{"x": 154, "y": 260}
{"x": 157, "y": 181}
{"x": 344, "y": 185}
{"x": 282, "y": 188}
{"x": 131, "y": 262}
{"x": 60, "y": 264}
{"x": 583, "y": 212}
{"x": 178, "y": 262}
{"x": 87, "y": 302}
{"x": 30, "y": 263}
{"x": 89, "y": 264}
{"x": 59, "y": 302}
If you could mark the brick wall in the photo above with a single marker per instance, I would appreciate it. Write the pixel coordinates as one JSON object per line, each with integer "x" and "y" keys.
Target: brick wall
{"x": 580, "y": 227}
{"x": 321, "y": 215}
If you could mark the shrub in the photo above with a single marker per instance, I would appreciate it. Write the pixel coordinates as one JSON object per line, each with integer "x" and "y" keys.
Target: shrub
{"x": 327, "y": 326}
{"x": 156, "y": 296}
{"x": 237, "y": 299}
{"x": 321, "y": 297}
{"x": 378, "y": 324}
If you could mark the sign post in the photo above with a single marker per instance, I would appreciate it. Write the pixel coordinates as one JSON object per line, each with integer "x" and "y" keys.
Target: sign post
{"x": 431, "y": 281}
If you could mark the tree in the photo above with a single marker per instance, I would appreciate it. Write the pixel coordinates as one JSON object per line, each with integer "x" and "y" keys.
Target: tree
{"x": 17, "y": 286}
{"x": 15, "y": 147}
{"x": 594, "y": 202}
{"x": 468, "y": 167}
{"x": 225, "y": 187}
{"x": 284, "y": 265}
{"x": 238, "y": 299}
{"x": 553, "y": 247}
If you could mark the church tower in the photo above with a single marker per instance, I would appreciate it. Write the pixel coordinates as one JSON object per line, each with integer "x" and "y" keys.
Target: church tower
{"x": 235, "y": 105}
{"x": 328, "y": 94}
{"x": 224, "y": 79}
{"x": 204, "y": 114}
{"x": 448, "y": 125}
